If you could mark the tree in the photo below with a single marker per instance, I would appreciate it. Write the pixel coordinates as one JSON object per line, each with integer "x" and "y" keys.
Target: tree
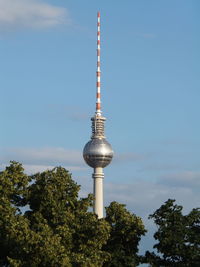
{"x": 126, "y": 232}
{"x": 178, "y": 236}
{"x": 56, "y": 228}
{"x": 43, "y": 222}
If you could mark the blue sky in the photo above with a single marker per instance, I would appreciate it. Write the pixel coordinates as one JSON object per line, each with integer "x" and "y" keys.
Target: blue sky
{"x": 150, "y": 94}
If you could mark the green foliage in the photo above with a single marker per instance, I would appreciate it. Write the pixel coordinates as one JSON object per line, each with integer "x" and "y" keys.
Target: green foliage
{"x": 56, "y": 229}
{"x": 44, "y": 223}
{"x": 178, "y": 236}
{"x": 126, "y": 232}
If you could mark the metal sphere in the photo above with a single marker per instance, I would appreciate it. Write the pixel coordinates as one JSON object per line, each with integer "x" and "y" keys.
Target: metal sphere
{"x": 97, "y": 153}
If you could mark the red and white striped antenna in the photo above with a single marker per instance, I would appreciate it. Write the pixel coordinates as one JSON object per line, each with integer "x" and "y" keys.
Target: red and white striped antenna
{"x": 98, "y": 96}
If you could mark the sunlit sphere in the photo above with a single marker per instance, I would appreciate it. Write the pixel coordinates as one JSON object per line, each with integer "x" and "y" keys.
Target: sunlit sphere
{"x": 98, "y": 153}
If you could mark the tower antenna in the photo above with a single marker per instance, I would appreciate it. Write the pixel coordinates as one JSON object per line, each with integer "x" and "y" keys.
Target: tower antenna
{"x": 98, "y": 85}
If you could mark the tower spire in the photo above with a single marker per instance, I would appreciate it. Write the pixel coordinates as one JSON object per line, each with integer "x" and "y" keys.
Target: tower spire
{"x": 98, "y": 77}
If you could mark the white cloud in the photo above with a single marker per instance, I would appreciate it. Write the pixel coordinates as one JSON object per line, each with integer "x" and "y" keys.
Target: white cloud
{"x": 189, "y": 179}
{"x": 157, "y": 166}
{"x": 128, "y": 156}
{"x": 51, "y": 156}
{"x": 39, "y": 159}
{"x": 32, "y": 169}
{"x": 31, "y": 14}
{"x": 143, "y": 197}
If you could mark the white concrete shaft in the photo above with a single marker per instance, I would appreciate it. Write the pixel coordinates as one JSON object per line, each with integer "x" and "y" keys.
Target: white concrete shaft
{"x": 98, "y": 191}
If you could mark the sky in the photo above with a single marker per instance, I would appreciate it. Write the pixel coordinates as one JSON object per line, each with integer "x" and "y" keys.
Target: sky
{"x": 150, "y": 95}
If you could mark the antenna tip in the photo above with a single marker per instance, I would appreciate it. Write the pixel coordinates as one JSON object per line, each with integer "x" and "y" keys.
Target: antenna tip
{"x": 98, "y": 14}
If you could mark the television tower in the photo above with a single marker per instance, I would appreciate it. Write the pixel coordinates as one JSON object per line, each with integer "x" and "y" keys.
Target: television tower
{"x": 98, "y": 152}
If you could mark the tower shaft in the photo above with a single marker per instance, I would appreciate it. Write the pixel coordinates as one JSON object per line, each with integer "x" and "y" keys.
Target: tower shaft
{"x": 98, "y": 176}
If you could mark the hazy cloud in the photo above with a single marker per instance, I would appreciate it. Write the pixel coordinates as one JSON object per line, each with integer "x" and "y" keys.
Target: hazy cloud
{"x": 189, "y": 179}
{"x": 31, "y": 169}
{"x": 31, "y": 14}
{"x": 40, "y": 158}
{"x": 54, "y": 156}
{"x": 143, "y": 197}
{"x": 73, "y": 112}
{"x": 128, "y": 156}
{"x": 160, "y": 167}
